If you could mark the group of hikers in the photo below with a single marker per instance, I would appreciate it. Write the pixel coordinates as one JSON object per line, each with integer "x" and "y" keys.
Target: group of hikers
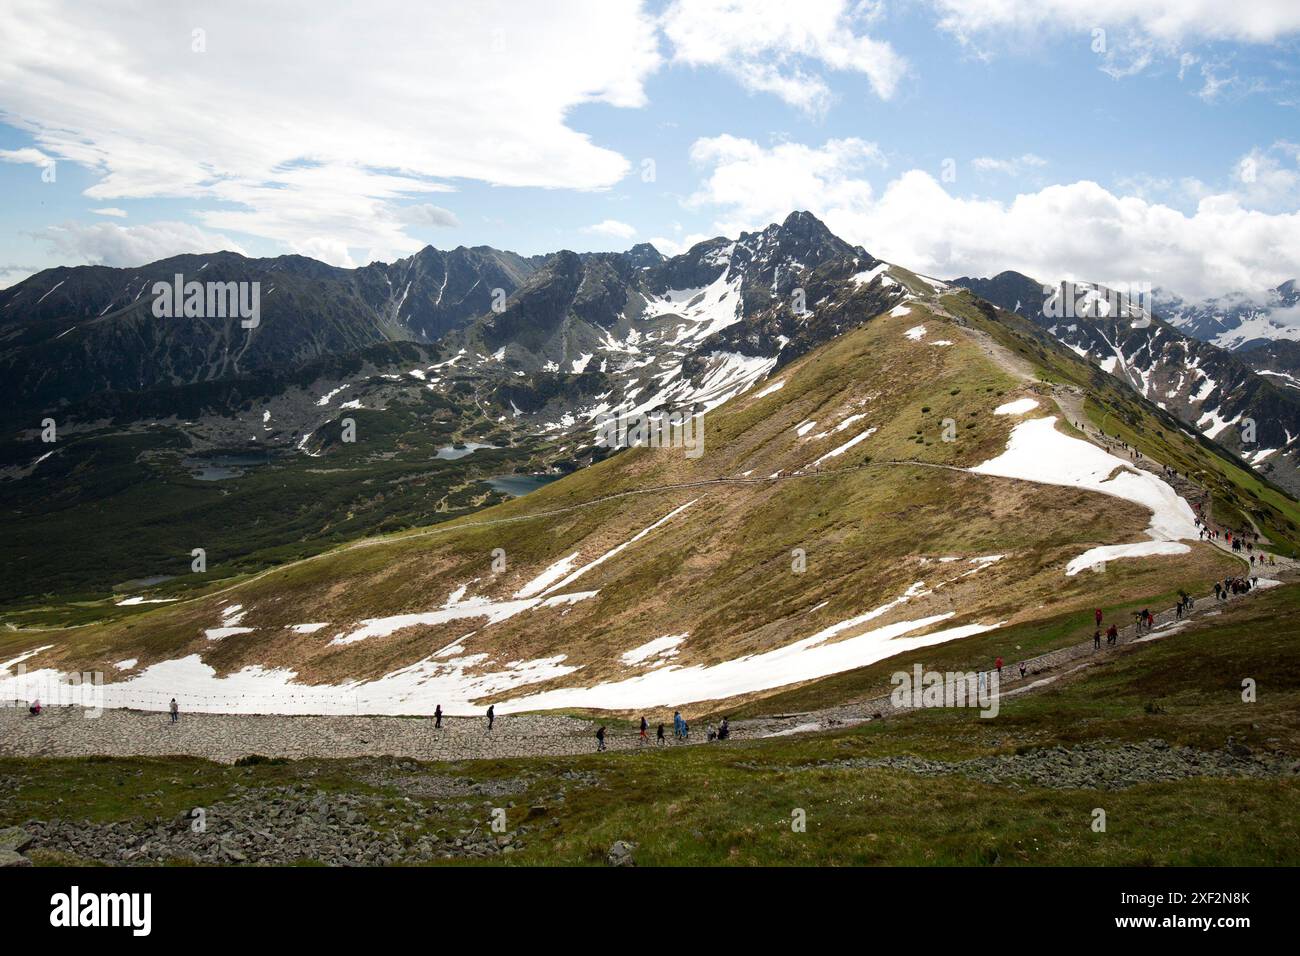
{"x": 1234, "y": 586}
{"x": 1238, "y": 541}
{"x": 681, "y": 731}
{"x": 1144, "y": 621}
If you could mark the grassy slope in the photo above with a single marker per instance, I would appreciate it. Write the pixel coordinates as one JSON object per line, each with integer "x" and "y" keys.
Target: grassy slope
{"x": 868, "y": 529}
{"x": 731, "y": 804}
{"x": 66, "y": 545}
{"x": 1239, "y": 493}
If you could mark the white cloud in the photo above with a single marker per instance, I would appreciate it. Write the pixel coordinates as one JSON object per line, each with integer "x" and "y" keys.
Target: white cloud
{"x": 1078, "y": 230}
{"x": 1269, "y": 179}
{"x": 1170, "y": 21}
{"x": 27, "y": 154}
{"x": 755, "y": 183}
{"x": 296, "y": 129}
{"x": 107, "y": 243}
{"x": 611, "y": 229}
{"x": 1008, "y": 167}
{"x": 110, "y": 211}
{"x": 427, "y": 214}
{"x": 775, "y": 46}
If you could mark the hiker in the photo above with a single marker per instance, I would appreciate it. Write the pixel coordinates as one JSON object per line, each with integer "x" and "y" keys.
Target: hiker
{"x": 437, "y": 717}
{"x": 35, "y": 708}
{"x": 1112, "y": 634}
{"x": 644, "y": 727}
{"x": 998, "y": 665}
{"x": 1022, "y": 670}
{"x": 1096, "y": 639}
{"x": 492, "y": 716}
{"x": 659, "y": 741}
{"x": 1097, "y": 615}
{"x": 175, "y": 710}
{"x": 600, "y": 739}
{"x": 724, "y": 729}
{"x": 1178, "y": 610}
{"x": 686, "y": 730}
{"x": 677, "y": 724}
{"x": 1218, "y": 591}
{"x": 712, "y": 735}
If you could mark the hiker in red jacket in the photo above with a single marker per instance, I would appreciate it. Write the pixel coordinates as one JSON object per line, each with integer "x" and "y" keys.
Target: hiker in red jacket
{"x": 1097, "y": 615}
{"x": 998, "y": 665}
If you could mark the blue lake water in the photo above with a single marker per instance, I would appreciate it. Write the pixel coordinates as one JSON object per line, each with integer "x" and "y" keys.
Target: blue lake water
{"x": 219, "y": 467}
{"x": 452, "y": 452}
{"x": 517, "y": 485}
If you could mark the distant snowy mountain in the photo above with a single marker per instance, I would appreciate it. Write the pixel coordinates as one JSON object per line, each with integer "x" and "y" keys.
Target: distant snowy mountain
{"x": 1233, "y": 322}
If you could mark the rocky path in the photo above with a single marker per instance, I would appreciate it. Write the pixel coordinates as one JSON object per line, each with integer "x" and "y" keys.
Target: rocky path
{"x": 65, "y": 732}
{"x": 1040, "y": 671}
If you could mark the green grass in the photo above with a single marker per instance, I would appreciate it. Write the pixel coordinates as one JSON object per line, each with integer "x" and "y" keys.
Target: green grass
{"x": 732, "y": 804}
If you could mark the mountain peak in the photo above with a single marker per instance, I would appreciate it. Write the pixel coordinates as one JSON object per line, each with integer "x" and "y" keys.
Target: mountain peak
{"x": 644, "y": 255}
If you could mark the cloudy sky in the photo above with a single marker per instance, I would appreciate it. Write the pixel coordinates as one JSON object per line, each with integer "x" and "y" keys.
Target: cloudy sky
{"x": 1112, "y": 140}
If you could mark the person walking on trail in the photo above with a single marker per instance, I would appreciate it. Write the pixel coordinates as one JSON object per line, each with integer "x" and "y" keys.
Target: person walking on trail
{"x": 1112, "y": 634}
{"x": 659, "y": 741}
{"x": 678, "y": 724}
{"x": 644, "y": 737}
{"x": 492, "y": 716}
{"x": 35, "y": 708}
{"x": 1096, "y": 639}
{"x": 1022, "y": 670}
{"x": 724, "y": 729}
{"x": 1097, "y": 615}
{"x": 437, "y": 717}
{"x": 600, "y": 739}
{"x": 1218, "y": 591}
{"x": 175, "y": 710}
{"x": 998, "y": 665}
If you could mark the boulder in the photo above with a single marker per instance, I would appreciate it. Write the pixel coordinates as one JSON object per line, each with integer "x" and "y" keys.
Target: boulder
{"x": 15, "y": 839}
{"x": 13, "y": 858}
{"x": 622, "y": 853}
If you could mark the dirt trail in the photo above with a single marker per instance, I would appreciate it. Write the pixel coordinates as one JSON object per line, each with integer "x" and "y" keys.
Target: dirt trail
{"x": 1041, "y": 671}
{"x": 64, "y": 732}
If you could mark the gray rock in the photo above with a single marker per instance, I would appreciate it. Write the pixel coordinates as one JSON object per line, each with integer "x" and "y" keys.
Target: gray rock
{"x": 622, "y": 853}
{"x": 15, "y": 839}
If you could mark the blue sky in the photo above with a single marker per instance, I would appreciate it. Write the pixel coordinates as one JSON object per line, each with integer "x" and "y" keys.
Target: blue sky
{"x": 1110, "y": 140}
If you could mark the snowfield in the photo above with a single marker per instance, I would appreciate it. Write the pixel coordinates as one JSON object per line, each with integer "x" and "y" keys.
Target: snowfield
{"x": 1036, "y": 451}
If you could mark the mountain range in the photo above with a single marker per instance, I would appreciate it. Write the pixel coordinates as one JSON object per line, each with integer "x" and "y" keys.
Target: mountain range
{"x": 395, "y": 395}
